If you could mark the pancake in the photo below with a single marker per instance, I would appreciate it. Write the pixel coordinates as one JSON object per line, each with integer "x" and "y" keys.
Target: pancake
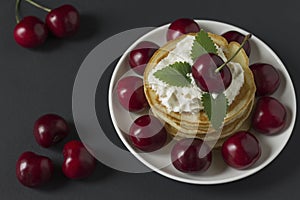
{"x": 226, "y": 130}
{"x": 188, "y": 124}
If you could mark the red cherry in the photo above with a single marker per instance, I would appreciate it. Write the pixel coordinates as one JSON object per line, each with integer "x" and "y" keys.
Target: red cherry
{"x": 269, "y": 116}
{"x": 238, "y": 37}
{"x": 205, "y": 75}
{"x": 78, "y": 162}
{"x": 266, "y": 78}
{"x": 180, "y": 27}
{"x": 191, "y": 155}
{"x": 63, "y": 21}
{"x": 140, "y": 56}
{"x": 30, "y": 32}
{"x": 147, "y": 133}
{"x": 131, "y": 94}
{"x": 50, "y": 129}
{"x": 33, "y": 170}
{"x": 241, "y": 150}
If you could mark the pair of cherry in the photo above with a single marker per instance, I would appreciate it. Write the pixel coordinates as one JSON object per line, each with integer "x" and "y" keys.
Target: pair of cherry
{"x": 33, "y": 170}
{"x": 31, "y": 32}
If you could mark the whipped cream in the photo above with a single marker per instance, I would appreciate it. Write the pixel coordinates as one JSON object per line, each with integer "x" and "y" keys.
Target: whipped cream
{"x": 188, "y": 99}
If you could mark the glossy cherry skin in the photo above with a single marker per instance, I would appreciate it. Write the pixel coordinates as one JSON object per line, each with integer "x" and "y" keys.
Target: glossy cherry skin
{"x": 78, "y": 162}
{"x": 30, "y": 32}
{"x": 266, "y": 78}
{"x": 191, "y": 155}
{"x": 269, "y": 116}
{"x": 206, "y": 77}
{"x": 49, "y": 129}
{"x": 33, "y": 170}
{"x": 180, "y": 27}
{"x": 63, "y": 21}
{"x": 147, "y": 133}
{"x": 237, "y": 37}
{"x": 131, "y": 94}
{"x": 140, "y": 56}
{"x": 241, "y": 150}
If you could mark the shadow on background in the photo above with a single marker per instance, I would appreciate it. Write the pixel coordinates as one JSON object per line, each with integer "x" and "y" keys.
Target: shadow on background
{"x": 102, "y": 109}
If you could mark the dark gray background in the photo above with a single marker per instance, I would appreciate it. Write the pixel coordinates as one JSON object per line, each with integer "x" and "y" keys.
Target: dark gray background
{"x": 34, "y": 82}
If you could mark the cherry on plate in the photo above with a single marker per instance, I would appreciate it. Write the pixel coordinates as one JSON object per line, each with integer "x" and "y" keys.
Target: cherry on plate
{"x": 147, "y": 133}
{"x": 33, "y": 170}
{"x": 140, "y": 56}
{"x": 49, "y": 129}
{"x": 30, "y": 32}
{"x": 269, "y": 116}
{"x": 241, "y": 150}
{"x": 63, "y": 21}
{"x": 191, "y": 155}
{"x": 237, "y": 37}
{"x": 206, "y": 76}
{"x": 266, "y": 78}
{"x": 180, "y": 27}
{"x": 131, "y": 94}
{"x": 78, "y": 162}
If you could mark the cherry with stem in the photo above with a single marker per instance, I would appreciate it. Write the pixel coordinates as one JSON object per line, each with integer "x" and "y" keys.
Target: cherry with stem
{"x": 29, "y": 32}
{"x": 62, "y": 21}
{"x": 211, "y": 73}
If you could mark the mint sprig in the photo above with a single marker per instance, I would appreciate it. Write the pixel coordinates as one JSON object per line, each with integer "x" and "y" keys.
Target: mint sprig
{"x": 202, "y": 44}
{"x": 215, "y": 108}
{"x": 175, "y": 74}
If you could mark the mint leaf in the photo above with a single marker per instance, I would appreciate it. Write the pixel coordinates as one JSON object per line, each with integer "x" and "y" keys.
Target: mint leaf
{"x": 202, "y": 44}
{"x": 197, "y": 50}
{"x": 215, "y": 108}
{"x": 175, "y": 74}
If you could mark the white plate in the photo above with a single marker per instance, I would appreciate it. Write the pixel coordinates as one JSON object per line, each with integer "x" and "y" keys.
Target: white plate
{"x": 218, "y": 172}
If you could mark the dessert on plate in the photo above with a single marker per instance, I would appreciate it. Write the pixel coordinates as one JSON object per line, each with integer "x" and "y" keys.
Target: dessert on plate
{"x": 183, "y": 105}
{"x": 201, "y": 91}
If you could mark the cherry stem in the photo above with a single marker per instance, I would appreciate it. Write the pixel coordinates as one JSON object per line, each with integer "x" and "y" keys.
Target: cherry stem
{"x": 247, "y": 37}
{"x": 17, "y": 7}
{"x": 38, "y": 5}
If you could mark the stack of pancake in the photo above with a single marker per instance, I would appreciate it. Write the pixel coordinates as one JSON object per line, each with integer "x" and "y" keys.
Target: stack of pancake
{"x": 197, "y": 125}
